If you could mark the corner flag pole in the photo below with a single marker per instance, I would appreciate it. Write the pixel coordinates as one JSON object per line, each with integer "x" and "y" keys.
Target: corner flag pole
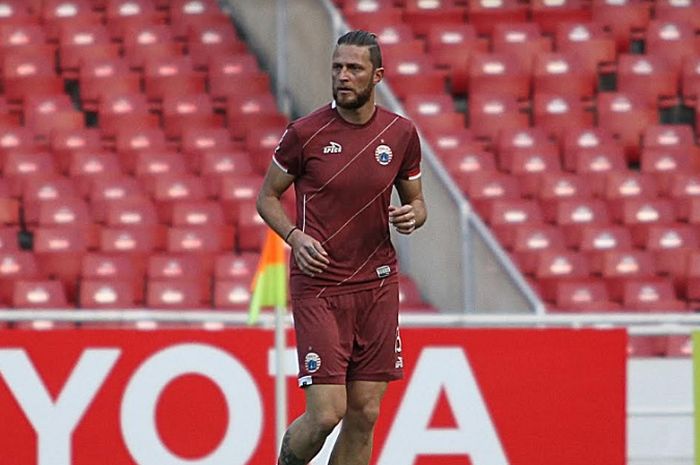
{"x": 280, "y": 374}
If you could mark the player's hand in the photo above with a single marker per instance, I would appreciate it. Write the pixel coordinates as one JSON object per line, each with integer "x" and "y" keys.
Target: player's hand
{"x": 309, "y": 254}
{"x": 403, "y": 218}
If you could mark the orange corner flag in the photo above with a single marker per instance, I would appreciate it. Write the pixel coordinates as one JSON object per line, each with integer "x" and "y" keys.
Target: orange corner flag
{"x": 270, "y": 281}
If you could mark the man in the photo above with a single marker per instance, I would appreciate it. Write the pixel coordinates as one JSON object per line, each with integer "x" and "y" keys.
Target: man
{"x": 344, "y": 159}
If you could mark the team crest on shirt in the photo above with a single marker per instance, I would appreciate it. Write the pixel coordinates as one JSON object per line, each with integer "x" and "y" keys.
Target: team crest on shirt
{"x": 383, "y": 154}
{"x": 312, "y": 362}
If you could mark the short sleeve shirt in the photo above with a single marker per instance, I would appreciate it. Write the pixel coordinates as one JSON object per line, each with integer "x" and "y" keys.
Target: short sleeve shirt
{"x": 344, "y": 174}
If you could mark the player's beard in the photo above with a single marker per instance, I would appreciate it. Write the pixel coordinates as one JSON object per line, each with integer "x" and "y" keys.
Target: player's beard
{"x": 361, "y": 97}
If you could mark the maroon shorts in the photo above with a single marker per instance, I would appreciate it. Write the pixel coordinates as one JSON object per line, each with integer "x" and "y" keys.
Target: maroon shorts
{"x": 349, "y": 337}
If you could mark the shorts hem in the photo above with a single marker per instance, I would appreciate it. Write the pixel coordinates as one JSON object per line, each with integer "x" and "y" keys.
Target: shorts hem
{"x": 391, "y": 376}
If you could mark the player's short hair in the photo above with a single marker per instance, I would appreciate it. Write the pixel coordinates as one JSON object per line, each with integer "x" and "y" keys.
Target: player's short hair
{"x": 364, "y": 39}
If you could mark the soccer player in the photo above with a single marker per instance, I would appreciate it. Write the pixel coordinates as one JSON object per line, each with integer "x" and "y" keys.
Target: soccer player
{"x": 344, "y": 159}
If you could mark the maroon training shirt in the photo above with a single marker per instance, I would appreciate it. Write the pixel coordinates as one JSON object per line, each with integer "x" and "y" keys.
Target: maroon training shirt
{"x": 344, "y": 176}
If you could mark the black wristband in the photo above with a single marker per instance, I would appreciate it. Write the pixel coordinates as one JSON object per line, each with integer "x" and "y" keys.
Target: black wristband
{"x": 286, "y": 238}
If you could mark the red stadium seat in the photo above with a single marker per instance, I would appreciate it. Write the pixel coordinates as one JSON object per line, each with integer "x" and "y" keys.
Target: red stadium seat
{"x": 621, "y": 185}
{"x": 137, "y": 241}
{"x": 188, "y": 111}
{"x": 530, "y": 240}
{"x": 16, "y": 265}
{"x": 59, "y": 251}
{"x": 17, "y": 12}
{"x": 554, "y": 187}
{"x": 84, "y": 165}
{"x": 558, "y": 112}
{"x": 9, "y": 240}
{"x": 486, "y": 14}
{"x": 625, "y": 18}
{"x": 20, "y": 166}
{"x": 106, "y": 189}
{"x": 650, "y": 76}
{"x": 234, "y": 190}
{"x": 671, "y": 244}
{"x": 531, "y": 165}
{"x": 504, "y": 216}
{"x": 66, "y": 141}
{"x": 521, "y": 40}
{"x": 550, "y": 14}
{"x": 261, "y": 141}
{"x": 451, "y": 46}
{"x": 122, "y": 13}
{"x": 100, "y": 267}
{"x": 250, "y": 228}
{"x": 171, "y": 75}
{"x": 498, "y": 73}
{"x": 595, "y": 240}
{"x": 675, "y": 40}
{"x": 640, "y": 214}
{"x": 232, "y": 294}
{"x": 194, "y": 13}
{"x": 669, "y": 136}
{"x": 556, "y": 266}
{"x": 488, "y": 114}
{"x": 100, "y": 294}
{"x": 30, "y": 73}
{"x": 563, "y": 73}
{"x": 181, "y": 267}
{"x": 230, "y": 266}
{"x": 573, "y": 214}
{"x": 690, "y": 79}
{"x": 208, "y": 40}
{"x": 116, "y": 112}
{"x": 412, "y": 74}
{"x": 98, "y": 77}
{"x": 47, "y": 113}
{"x": 468, "y": 164}
{"x": 145, "y": 41}
{"x": 56, "y": 14}
{"x": 422, "y": 15}
{"x": 665, "y": 162}
{"x": 619, "y": 266}
{"x": 171, "y": 294}
{"x": 484, "y": 188}
{"x": 235, "y": 75}
{"x": 626, "y": 116}
{"x": 652, "y": 295}
{"x": 591, "y": 43}
{"x": 511, "y": 139}
{"x": 39, "y": 294}
{"x": 583, "y": 295}
{"x": 216, "y": 163}
{"x": 23, "y": 37}
{"x": 81, "y": 42}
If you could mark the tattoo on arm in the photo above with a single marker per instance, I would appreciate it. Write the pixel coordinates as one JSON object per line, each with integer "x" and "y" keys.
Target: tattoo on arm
{"x": 287, "y": 457}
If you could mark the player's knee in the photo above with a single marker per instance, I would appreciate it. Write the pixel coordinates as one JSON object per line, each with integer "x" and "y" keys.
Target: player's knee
{"x": 364, "y": 416}
{"x": 325, "y": 420}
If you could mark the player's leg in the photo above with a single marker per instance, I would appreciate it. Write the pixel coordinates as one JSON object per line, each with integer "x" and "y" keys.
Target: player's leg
{"x": 325, "y": 407}
{"x": 354, "y": 443}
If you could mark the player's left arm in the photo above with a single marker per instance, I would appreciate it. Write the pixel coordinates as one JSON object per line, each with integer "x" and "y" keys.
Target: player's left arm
{"x": 412, "y": 213}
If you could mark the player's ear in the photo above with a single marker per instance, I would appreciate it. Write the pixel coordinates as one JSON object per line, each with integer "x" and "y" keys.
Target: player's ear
{"x": 378, "y": 75}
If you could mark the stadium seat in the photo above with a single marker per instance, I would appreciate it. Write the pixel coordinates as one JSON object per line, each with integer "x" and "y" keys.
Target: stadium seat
{"x": 16, "y": 265}
{"x": 595, "y": 240}
{"x": 47, "y": 113}
{"x": 171, "y": 75}
{"x": 188, "y": 111}
{"x": 234, "y": 189}
{"x": 145, "y": 41}
{"x": 665, "y": 162}
{"x": 621, "y": 185}
{"x": 100, "y": 267}
{"x": 669, "y": 136}
{"x": 59, "y": 251}
{"x": 521, "y": 40}
{"x": 410, "y": 74}
{"x": 56, "y": 14}
{"x": 554, "y": 267}
{"x": 504, "y": 216}
{"x": 117, "y": 112}
{"x": 563, "y": 73}
{"x": 489, "y": 114}
{"x": 106, "y": 189}
{"x": 45, "y": 188}
{"x": 81, "y": 42}
{"x": 583, "y": 295}
{"x": 530, "y": 240}
{"x": 626, "y": 115}
{"x": 422, "y": 15}
{"x": 674, "y": 40}
{"x": 261, "y": 141}
{"x": 104, "y": 294}
{"x": 23, "y": 37}
{"x": 120, "y": 14}
{"x": 230, "y": 266}
{"x": 98, "y": 77}
{"x": 185, "y": 14}
{"x": 175, "y": 295}
{"x": 19, "y": 166}
{"x": 451, "y": 46}
{"x": 486, "y": 14}
{"x": 30, "y": 73}
{"x": 530, "y": 165}
{"x": 690, "y": 79}
{"x": 232, "y": 294}
{"x": 208, "y": 40}
{"x": 678, "y": 346}
{"x": 650, "y": 76}
{"x": 548, "y": 15}
{"x": 250, "y": 228}
{"x": 591, "y": 43}
{"x": 9, "y": 239}
{"x": 619, "y": 266}
{"x": 640, "y": 214}
{"x": 17, "y": 12}
{"x": 465, "y": 164}
{"x": 625, "y": 18}
{"x": 556, "y": 186}
{"x": 671, "y": 244}
{"x": 655, "y": 294}
{"x": 484, "y": 188}
{"x": 572, "y": 214}
{"x": 558, "y": 112}
{"x": 498, "y": 73}
{"x": 63, "y": 142}
{"x": 47, "y": 294}
{"x": 84, "y": 165}
{"x": 235, "y": 75}
{"x": 213, "y": 164}
{"x": 181, "y": 267}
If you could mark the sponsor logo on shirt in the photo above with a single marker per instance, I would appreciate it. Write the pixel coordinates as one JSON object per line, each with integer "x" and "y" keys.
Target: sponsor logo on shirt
{"x": 332, "y": 147}
{"x": 383, "y": 154}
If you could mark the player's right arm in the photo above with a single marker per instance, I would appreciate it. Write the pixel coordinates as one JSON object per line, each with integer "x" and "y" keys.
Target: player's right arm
{"x": 310, "y": 256}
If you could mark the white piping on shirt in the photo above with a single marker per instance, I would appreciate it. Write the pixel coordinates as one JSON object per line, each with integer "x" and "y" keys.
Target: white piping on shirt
{"x": 303, "y": 214}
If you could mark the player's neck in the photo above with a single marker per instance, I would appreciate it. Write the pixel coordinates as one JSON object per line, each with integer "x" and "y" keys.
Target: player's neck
{"x": 358, "y": 115}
